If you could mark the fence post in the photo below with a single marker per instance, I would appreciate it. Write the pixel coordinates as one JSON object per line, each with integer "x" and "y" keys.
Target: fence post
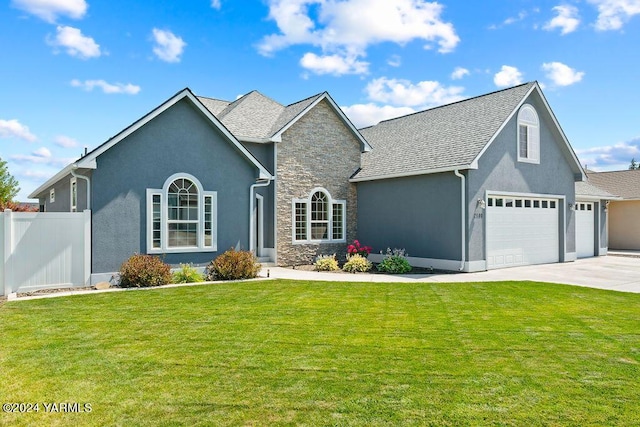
{"x": 8, "y": 247}
{"x": 87, "y": 247}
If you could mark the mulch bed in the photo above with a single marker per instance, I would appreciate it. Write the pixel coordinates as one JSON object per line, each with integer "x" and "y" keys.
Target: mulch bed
{"x": 52, "y": 291}
{"x": 374, "y": 270}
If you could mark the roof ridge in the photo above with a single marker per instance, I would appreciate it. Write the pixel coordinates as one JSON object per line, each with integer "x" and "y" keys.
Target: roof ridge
{"x": 453, "y": 103}
{"x": 619, "y": 171}
{"x": 317, "y": 95}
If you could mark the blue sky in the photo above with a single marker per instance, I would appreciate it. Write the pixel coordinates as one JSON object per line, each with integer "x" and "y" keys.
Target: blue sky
{"x": 76, "y": 72}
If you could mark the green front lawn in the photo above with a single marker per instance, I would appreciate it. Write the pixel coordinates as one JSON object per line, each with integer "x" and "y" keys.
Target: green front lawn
{"x": 287, "y": 352}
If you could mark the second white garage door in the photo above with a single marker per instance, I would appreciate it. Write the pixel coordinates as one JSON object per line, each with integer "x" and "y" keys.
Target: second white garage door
{"x": 522, "y": 231}
{"x": 585, "y": 246}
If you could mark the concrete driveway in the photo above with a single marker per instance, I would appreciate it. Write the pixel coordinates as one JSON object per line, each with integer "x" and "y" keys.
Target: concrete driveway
{"x": 608, "y": 272}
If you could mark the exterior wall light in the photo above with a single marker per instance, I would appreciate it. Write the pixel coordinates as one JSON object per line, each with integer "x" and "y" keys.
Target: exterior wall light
{"x": 481, "y": 204}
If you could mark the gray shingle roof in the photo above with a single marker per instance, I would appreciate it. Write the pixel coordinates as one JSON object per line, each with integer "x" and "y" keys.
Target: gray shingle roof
{"x": 255, "y": 115}
{"x": 214, "y": 105}
{"x": 587, "y": 189}
{"x": 625, "y": 184}
{"x": 443, "y": 137}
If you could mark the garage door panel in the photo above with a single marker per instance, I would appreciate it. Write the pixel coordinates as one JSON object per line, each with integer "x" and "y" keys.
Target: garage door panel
{"x": 521, "y": 231}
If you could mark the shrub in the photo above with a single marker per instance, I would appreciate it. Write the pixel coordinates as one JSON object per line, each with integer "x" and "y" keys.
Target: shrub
{"x": 357, "y": 264}
{"x": 355, "y": 248}
{"x": 143, "y": 271}
{"x": 395, "y": 262}
{"x": 187, "y": 274}
{"x": 233, "y": 265}
{"x": 326, "y": 263}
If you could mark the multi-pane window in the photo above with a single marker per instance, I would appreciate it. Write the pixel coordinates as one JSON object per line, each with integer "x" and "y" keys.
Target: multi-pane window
{"x": 181, "y": 217}
{"x": 300, "y": 221}
{"x": 182, "y": 205}
{"x": 156, "y": 222}
{"x": 319, "y": 218}
{"x": 528, "y": 135}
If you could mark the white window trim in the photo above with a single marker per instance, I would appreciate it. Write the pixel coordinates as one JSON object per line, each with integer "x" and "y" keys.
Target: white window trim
{"x": 307, "y": 203}
{"x": 164, "y": 224}
{"x": 74, "y": 206}
{"x": 533, "y": 135}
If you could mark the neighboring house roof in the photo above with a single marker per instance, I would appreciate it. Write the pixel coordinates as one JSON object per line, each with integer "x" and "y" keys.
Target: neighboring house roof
{"x": 625, "y": 184}
{"x": 445, "y": 138}
{"x": 257, "y": 118}
{"x": 586, "y": 190}
{"x": 88, "y": 161}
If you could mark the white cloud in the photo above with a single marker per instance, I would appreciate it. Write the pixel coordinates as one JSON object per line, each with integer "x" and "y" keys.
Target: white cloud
{"x": 333, "y": 64}
{"x": 168, "y": 46}
{"x": 610, "y": 157}
{"x": 394, "y": 61}
{"x": 42, "y": 156}
{"x": 561, "y": 74}
{"x": 404, "y": 93}
{"x": 13, "y": 128}
{"x": 65, "y": 141}
{"x": 108, "y": 88}
{"x": 509, "y": 21}
{"x": 75, "y": 43}
{"x": 216, "y": 4}
{"x": 49, "y": 10}
{"x": 613, "y": 14}
{"x": 362, "y": 115}
{"x": 459, "y": 72}
{"x": 346, "y": 28}
{"x": 566, "y": 19}
{"x": 42, "y": 152}
{"x": 507, "y": 76}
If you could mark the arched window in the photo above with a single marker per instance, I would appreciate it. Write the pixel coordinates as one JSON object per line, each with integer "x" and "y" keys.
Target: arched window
{"x": 528, "y": 135}
{"x": 181, "y": 217}
{"x": 319, "y": 218}
{"x": 182, "y": 214}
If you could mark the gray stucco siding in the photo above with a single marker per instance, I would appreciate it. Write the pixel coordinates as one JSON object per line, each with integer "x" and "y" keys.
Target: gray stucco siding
{"x": 262, "y": 152}
{"x": 179, "y": 140}
{"x": 420, "y": 214}
{"x": 499, "y": 171}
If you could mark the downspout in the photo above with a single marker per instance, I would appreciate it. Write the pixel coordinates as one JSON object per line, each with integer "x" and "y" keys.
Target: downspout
{"x": 463, "y": 225}
{"x": 260, "y": 183}
{"x": 75, "y": 175}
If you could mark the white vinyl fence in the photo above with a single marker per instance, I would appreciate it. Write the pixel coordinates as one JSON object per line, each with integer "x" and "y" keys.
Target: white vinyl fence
{"x": 42, "y": 250}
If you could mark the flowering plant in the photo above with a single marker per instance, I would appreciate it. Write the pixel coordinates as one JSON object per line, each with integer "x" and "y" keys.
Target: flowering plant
{"x": 355, "y": 248}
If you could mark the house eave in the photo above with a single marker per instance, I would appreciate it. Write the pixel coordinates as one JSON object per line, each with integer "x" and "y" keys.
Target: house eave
{"x": 414, "y": 173}
{"x": 53, "y": 180}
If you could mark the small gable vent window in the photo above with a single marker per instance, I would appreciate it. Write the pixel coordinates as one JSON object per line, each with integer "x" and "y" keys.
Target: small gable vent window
{"x": 181, "y": 217}
{"x": 528, "y": 135}
{"x": 319, "y": 218}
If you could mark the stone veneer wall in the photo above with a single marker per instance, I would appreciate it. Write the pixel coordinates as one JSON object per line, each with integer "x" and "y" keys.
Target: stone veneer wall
{"x": 317, "y": 151}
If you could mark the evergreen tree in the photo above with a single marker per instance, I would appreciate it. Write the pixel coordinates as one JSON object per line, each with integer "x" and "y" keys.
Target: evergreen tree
{"x": 8, "y": 185}
{"x": 634, "y": 165}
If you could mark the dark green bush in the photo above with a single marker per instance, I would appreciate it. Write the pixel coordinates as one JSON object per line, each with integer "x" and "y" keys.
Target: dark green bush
{"x": 395, "y": 262}
{"x": 233, "y": 265}
{"x": 143, "y": 271}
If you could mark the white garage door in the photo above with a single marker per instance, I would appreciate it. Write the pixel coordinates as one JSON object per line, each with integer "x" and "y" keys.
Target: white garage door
{"x": 585, "y": 229}
{"x": 522, "y": 231}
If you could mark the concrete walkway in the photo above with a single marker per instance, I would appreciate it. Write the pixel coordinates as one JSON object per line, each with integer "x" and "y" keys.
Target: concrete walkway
{"x": 608, "y": 272}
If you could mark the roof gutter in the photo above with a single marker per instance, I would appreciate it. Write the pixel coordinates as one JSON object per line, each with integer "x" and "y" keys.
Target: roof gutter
{"x": 463, "y": 227}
